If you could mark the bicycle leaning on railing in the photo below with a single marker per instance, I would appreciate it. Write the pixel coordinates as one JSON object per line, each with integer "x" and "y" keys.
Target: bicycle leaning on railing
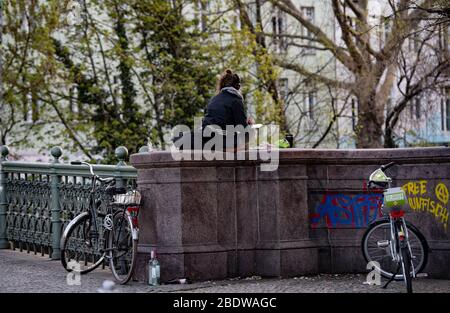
{"x": 89, "y": 245}
{"x": 392, "y": 243}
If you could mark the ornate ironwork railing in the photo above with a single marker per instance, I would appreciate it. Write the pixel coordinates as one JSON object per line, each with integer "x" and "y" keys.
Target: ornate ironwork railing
{"x": 38, "y": 200}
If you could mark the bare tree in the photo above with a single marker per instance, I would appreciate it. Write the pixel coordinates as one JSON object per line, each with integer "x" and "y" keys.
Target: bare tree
{"x": 422, "y": 68}
{"x": 372, "y": 71}
{"x": 438, "y": 7}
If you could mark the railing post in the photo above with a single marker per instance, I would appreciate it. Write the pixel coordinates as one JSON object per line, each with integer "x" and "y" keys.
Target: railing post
{"x": 56, "y": 152}
{"x": 121, "y": 154}
{"x": 3, "y": 204}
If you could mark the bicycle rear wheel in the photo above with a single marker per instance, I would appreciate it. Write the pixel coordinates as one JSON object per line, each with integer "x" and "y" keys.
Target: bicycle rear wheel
{"x": 380, "y": 231}
{"x": 80, "y": 252}
{"x": 122, "y": 248}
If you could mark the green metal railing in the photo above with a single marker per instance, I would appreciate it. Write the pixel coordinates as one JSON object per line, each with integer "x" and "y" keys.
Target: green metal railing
{"x": 38, "y": 200}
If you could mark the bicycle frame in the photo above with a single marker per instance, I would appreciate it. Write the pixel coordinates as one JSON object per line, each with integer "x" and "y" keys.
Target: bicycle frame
{"x": 111, "y": 234}
{"x": 399, "y": 235}
{"x": 93, "y": 206}
{"x": 399, "y": 239}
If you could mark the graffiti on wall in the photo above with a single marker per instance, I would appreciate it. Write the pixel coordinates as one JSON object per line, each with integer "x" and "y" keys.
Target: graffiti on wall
{"x": 340, "y": 210}
{"x": 347, "y": 210}
{"x": 419, "y": 199}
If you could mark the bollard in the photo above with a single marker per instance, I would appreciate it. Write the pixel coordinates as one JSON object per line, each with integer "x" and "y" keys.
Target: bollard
{"x": 3, "y": 205}
{"x": 56, "y": 152}
{"x": 121, "y": 154}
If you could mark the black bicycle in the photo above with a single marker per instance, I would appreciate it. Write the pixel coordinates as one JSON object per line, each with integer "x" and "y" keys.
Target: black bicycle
{"x": 392, "y": 244}
{"x": 93, "y": 237}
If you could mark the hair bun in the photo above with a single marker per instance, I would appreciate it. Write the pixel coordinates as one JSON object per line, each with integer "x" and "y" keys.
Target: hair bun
{"x": 228, "y": 71}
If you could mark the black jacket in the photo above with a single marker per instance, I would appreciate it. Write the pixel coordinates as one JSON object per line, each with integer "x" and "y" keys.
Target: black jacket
{"x": 226, "y": 108}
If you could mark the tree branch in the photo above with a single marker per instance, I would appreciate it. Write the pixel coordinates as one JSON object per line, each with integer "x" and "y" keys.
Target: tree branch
{"x": 340, "y": 53}
{"x": 313, "y": 76}
{"x": 70, "y": 131}
{"x": 345, "y": 28}
{"x": 359, "y": 12}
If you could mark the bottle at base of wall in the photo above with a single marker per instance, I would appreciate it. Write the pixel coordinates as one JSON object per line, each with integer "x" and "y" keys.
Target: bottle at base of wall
{"x": 153, "y": 270}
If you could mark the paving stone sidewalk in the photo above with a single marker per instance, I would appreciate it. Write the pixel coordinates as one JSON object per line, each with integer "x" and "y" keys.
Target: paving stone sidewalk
{"x": 22, "y": 272}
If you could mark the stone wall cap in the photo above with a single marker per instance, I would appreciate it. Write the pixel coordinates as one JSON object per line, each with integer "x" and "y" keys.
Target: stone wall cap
{"x": 297, "y": 155}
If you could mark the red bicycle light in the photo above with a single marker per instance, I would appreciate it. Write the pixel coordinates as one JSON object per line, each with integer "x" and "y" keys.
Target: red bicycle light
{"x": 134, "y": 212}
{"x": 397, "y": 214}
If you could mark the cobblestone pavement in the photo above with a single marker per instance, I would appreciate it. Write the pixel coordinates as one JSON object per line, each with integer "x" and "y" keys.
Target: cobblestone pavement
{"x": 22, "y": 272}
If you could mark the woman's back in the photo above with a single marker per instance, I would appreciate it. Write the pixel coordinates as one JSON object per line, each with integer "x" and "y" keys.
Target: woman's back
{"x": 226, "y": 108}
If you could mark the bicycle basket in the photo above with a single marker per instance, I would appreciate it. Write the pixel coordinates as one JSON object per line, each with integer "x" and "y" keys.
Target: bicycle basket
{"x": 131, "y": 197}
{"x": 394, "y": 198}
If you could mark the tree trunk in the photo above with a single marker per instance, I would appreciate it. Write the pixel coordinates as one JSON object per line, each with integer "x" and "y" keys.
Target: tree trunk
{"x": 389, "y": 139}
{"x": 369, "y": 130}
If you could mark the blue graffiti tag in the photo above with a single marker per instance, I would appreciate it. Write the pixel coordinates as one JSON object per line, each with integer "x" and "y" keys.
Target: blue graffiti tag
{"x": 340, "y": 209}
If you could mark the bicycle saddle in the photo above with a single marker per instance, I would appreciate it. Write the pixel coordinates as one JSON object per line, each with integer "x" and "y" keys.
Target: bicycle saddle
{"x": 113, "y": 190}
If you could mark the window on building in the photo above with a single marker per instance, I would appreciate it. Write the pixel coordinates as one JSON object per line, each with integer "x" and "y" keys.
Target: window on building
{"x": 282, "y": 31}
{"x": 236, "y": 21}
{"x": 383, "y": 29}
{"x": 414, "y": 41}
{"x": 309, "y": 99}
{"x": 279, "y": 30}
{"x": 444, "y": 37}
{"x": 308, "y": 12}
{"x": 35, "y": 107}
{"x": 275, "y": 33}
{"x": 354, "y": 114}
{"x": 311, "y": 103}
{"x": 387, "y": 28}
{"x": 415, "y": 109}
{"x": 283, "y": 88}
{"x": 202, "y": 8}
{"x": 417, "y": 104}
{"x": 76, "y": 104}
{"x": 447, "y": 37}
{"x": 72, "y": 106}
{"x": 30, "y": 107}
{"x": 274, "y": 28}
{"x": 442, "y": 114}
{"x": 251, "y": 7}
{"x": 25, "y": 110}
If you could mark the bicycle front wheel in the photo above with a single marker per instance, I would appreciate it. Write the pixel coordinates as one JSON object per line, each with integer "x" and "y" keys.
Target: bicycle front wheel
{"x": 406, "y": 265}
{"x": 80, "y": 252}
{"x": 122, "y": 247}
{"x": 380, "y": 231}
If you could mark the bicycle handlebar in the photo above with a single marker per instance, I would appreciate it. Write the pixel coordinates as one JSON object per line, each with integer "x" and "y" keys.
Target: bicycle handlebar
{"x": 91, "y": 169}
{"x": 385, "y": 167}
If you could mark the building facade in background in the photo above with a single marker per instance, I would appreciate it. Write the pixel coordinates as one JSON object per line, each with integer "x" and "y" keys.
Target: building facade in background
{"x": 320, "y": 115}
{"x": 316, "y": 114}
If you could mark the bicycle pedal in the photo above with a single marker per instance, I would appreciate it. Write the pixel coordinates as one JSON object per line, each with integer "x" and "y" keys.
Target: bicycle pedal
{"x": 421, "y": 275}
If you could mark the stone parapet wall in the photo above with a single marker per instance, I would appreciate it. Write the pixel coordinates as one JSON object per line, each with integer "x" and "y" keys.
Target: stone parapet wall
{"x": 218, "y": 219}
